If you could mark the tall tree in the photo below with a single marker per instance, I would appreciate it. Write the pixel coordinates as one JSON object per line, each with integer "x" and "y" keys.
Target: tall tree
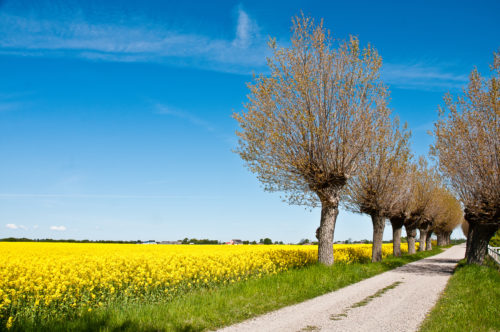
{"x": 423, "y": 183}
{"x": 373, "y": 190}
{"x": 448, "y": 215}
{"x": 467, "y": 146}
{"x": 310, "y": 121}
{"x": 443, "y": 215}
{"x": 398, "y": 208}
{"x": 428, "y": 218}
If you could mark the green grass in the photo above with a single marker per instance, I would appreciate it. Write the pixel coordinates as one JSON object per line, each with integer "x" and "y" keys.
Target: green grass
{"x": 470, "y": 302}
{"x": 379, "y": 293}
{"x": 205, "y": 309}
{"x": 495, "y": 240}
{"x": 365, "y": 301}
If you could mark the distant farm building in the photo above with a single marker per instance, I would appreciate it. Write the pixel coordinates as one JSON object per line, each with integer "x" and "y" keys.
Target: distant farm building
{"x": 235, "y": 241}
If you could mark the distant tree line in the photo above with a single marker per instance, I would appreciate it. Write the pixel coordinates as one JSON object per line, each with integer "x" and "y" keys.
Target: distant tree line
{"x": 23, "y": 239}
{"x": 184, "y": 241}
{"x": 201, "y": 241}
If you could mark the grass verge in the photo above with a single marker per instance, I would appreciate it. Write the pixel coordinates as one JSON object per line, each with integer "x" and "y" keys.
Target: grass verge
{"x": 470, "y": 302}
{"x": 208, "y": 309}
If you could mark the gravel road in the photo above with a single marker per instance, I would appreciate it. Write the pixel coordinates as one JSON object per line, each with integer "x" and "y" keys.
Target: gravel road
{"x": 397, "y": 300}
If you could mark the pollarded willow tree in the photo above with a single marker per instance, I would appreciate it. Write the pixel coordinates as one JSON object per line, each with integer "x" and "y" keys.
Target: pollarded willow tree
{"x": 467, "y": 146}
{"x": 311, "y": 120}
{"x": 448, "y": 216}
{"x": 432, "y": 216}
{"x": 398, "y": 209}
{"x": 443, "y": 215}
{"x": 373, "y": 190}
{"x": 423, "y": 183}
{"x": 428, "y": 218}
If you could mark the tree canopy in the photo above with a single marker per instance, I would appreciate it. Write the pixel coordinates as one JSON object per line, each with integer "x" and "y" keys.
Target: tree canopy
{"x": 309, "y": 122}
{"x": 374, "y": 189}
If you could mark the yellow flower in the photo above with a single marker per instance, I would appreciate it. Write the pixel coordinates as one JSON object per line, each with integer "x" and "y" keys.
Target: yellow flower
{"x": 10, "y": 321}
{"x": 45, "y": 277}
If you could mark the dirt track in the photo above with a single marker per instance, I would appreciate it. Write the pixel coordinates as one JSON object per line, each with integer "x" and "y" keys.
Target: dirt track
{"x": 397, "y": 300}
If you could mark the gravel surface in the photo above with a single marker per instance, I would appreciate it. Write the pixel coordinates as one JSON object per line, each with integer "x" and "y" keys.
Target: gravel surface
{"x": 397, "y": 300}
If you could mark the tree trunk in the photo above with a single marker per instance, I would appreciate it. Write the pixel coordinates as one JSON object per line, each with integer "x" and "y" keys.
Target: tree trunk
{"x": 428, "y": 241}
{"x": 329, "y": 212}
{"x": 441, "y": 239}
{"x": 469, "y": 240}
{"x": 423, "y": 235}
{"x": 397, "y": 225}
{"x": 479, "y": 238}
{"x": 378, "y": 232}
{"x": 410, "y": 235}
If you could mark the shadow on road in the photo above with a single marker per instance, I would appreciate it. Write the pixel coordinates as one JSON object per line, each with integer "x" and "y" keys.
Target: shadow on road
{"x": 429, "y": 269}
{"x": 442, "y": 260}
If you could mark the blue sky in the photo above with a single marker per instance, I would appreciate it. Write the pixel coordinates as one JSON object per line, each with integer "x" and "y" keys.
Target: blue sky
{"x": 115, "y": 116}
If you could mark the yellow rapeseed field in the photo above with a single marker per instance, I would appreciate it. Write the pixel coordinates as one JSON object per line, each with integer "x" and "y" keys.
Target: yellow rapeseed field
{"x": 50, "y": 279}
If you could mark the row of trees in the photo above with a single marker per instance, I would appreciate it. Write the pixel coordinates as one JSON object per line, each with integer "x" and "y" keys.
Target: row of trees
{"x": 408, "y": 194}
{"x": 318, "y": 128}
{"x": 467, "y": 148}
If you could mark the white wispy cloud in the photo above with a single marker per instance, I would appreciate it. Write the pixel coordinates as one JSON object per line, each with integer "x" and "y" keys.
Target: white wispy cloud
{"x": 14, "y": 226}
{"x": 9, "y": 106}
{"x": 193, "y": 119}
{"x": 422, "y": 76}
{"x": 13, "y": 101}
{"x": 103, "y": 196}
{"x": 246, "y": 30}
{"x": 58, "y": 228}
{"x": 140, "y": 41}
